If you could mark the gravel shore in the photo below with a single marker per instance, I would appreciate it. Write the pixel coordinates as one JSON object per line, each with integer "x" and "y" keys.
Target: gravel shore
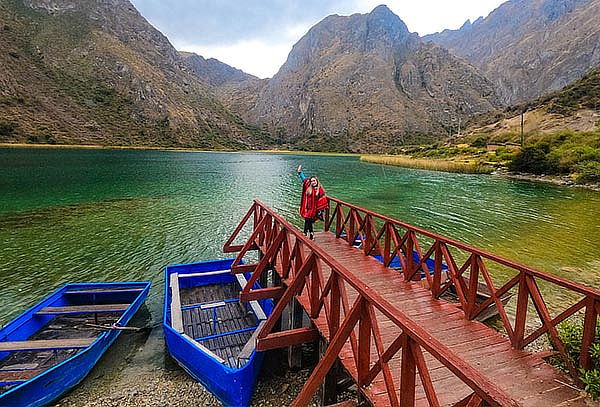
{"x": 137, "y": 371}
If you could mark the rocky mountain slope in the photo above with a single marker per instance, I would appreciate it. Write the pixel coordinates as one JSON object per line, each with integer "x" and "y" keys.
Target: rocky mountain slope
{"x": 530, "y": 47}
{"x": 365, "y": 83}
{"x": 575, "y": 107}
{"x": 236, "y": 89}
{"x": 96, "y": 72}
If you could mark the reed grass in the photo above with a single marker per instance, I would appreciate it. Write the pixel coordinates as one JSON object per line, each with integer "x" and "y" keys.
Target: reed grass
{"x": 463, "y": 167}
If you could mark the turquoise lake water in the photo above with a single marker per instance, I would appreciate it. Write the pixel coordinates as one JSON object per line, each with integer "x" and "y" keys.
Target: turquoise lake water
{"x": 92, "y": 215}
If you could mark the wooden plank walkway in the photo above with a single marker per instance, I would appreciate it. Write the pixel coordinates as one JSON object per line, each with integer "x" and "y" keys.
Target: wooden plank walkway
{"x": 524, "y": 376}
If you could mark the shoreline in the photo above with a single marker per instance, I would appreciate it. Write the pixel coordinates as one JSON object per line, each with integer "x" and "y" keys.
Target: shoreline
{"x": 170, "y": 149}
{"x": 563, "y": 181}
{"x": 502, "y": 172}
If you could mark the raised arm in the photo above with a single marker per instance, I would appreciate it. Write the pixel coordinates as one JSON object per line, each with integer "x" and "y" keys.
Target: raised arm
{"x": 300, "y": 173}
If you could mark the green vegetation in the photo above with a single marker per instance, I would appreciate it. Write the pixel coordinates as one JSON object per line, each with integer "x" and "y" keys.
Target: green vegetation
{"x": 465, "y": 167}
{"x": 7, "y": 128}
{"x": 571, "y": 334}
{"x": 585, "y": 93}
{"x": 566, "y": 153}
{"x": 588, "y": 172}
{"x": 561, "y": 153}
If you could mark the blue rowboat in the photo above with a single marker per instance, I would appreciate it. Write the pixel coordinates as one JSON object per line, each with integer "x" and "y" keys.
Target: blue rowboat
{"x": 209, "y": 332}
{"x": 52, "y": 346}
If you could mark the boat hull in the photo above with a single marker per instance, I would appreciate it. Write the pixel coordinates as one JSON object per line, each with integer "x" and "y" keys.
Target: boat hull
{"x": 232, "y": 386}
{"x": 48, "y": 386}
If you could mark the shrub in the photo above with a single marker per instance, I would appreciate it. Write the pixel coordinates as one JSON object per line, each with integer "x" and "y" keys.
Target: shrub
{"x": 503, "y": 154}
{"x": 533, "y": 159}
{"x": 588, "y": 172}
{"x": 7, "y": 129}
{"x": 572, "y": 336}
{"x": 591, "y": 379}
{"x": 479, "y": 142}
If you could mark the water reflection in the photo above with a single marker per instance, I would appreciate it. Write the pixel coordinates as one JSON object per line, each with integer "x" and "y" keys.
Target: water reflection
{"x": 78, "y": 215}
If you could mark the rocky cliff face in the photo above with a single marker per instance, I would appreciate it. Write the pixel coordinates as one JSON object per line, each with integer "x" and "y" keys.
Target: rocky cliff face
{"x": 364, "y": 83}
{"x": 236, "y": 89}
{"x": 530, "y": 47}
{"x": 85, "y": 71}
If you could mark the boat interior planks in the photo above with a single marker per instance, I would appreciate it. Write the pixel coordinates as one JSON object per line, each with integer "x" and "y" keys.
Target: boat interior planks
{"x": 58, "y": 340}
{"x": 52, "y": 346}
{"x": 209, "y": 332}
{"x": 213, "y": 316}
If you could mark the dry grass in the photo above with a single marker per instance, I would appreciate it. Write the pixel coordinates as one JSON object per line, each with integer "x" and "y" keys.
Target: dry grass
{"x": 465, "y": 167}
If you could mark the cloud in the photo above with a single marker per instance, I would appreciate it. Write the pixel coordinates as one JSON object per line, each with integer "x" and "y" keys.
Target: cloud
{"x": 257, "y": 35}
{"x": 430, "y": 16}
{"x": 217, "y": 22}
{"x": 257, "y": 57}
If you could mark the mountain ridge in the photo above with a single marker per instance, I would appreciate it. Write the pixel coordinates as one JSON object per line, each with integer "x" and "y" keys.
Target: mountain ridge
{"x": 530, "y": 47}
{"x": 91, "y": 72}
{"x": 364, "y": 83}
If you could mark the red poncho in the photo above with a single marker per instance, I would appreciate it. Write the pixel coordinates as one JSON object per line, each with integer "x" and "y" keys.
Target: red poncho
{"x": 311, "y": 202}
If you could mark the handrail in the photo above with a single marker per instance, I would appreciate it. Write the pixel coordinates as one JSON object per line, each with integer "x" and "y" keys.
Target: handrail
{"x": 359, "y": 222}
{"x": 580, "y": 288}
{"x": 299, "y": 263}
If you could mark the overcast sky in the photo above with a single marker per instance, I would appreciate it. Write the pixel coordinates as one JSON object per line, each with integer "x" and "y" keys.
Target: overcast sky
{"x": 257, "y": 35}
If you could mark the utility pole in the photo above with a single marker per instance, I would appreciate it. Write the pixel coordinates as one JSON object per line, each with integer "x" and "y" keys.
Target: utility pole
{"x": 449, "y": 123}
{"x": 522, "y": 125}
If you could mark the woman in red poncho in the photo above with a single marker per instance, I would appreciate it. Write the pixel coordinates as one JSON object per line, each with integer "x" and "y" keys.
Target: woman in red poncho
{"x": 313, "y": 202}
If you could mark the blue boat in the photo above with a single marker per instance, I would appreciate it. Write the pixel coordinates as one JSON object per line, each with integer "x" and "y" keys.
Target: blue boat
{"x": 209, "y": 332}
{"x": 52, "y": 346}
{"x": 395, "y": 263}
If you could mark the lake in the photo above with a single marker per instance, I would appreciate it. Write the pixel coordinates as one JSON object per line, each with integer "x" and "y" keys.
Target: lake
{"x": 102, "y": 215}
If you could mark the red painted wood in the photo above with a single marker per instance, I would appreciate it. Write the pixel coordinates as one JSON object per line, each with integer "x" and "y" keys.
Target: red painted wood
{"x": 336, "y": 344}
{"x": 287, "y": 338}
{"x": 589, "y": 333}
{"x": 407, "y": 373}
{"x": 364, "y": 345}
{"x": 459, "y": 357}
{"x": 262, "y": 294}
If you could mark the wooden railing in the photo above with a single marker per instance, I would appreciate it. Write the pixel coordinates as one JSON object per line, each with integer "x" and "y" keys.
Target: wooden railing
{"x": 415, "y": 250}
{"x": 347, "y": 312}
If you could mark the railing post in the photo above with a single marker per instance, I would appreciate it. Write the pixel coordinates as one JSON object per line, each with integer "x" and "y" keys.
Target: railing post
{"x": 589, "y": 333}
{"x": 437, "y": 271}
{"x": 339, "y": 215}
{"x": 334, "y": 305}
{"x": 408, "y": 374}
{"x": 364, "y": 344}
{"x": 521, "y": 317}
{"x": 351, "y": 231}
{"x": 387, "y": 243}
{"x": 409, "y": 254}
{"x": 473, "y": 286}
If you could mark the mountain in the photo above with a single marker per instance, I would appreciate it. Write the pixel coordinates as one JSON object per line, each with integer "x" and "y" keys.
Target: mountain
{"x": 575, "y": 107}
{"x": 530, "y": 47}
{"x": 96, "y": 72}
{"x": 365, "y": 83}
{"x": 213, "y": 71}
{"x": 236, "y": 89}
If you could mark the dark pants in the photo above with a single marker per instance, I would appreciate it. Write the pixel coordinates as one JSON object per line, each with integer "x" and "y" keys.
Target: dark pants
{"x": 308, "y": 225}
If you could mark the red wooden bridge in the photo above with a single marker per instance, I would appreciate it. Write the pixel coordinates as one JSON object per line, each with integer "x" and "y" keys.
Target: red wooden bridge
{"x": 401, "y": 343}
